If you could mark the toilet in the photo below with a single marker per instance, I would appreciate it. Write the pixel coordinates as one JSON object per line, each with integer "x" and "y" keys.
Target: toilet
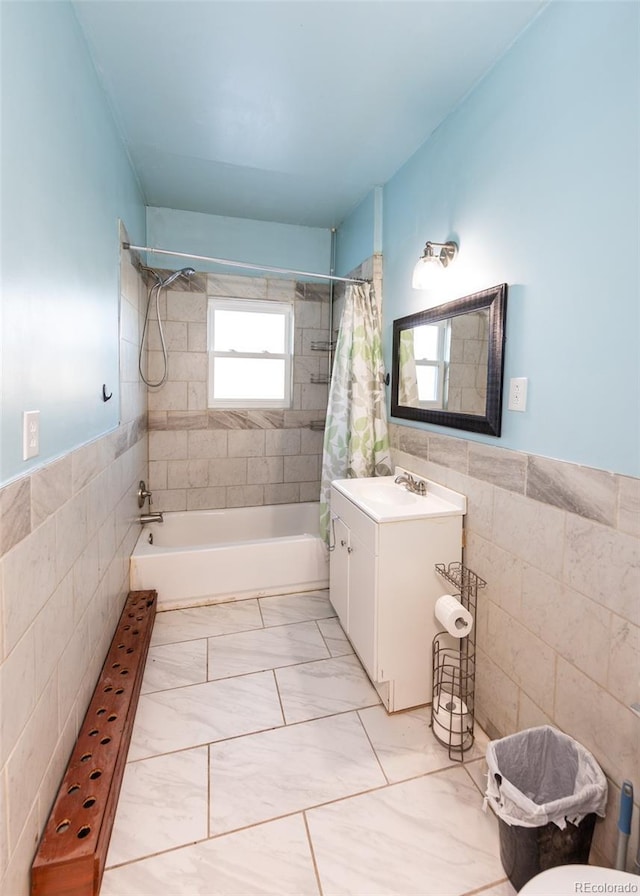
{"x": 567, "y": 880}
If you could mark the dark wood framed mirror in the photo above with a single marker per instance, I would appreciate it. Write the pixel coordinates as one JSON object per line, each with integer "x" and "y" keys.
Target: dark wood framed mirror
{"x": 448, "y": 363}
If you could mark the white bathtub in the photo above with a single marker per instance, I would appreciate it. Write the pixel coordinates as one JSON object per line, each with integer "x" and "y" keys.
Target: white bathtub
{"x": 207, "y": 556}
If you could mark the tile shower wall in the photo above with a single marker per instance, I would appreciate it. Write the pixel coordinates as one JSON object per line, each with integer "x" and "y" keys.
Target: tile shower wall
{"x": 203, "y": 459}
{"x": 559, "y": 621}
{"x": 467, "y": 370}
{"x": 66, "y": 533}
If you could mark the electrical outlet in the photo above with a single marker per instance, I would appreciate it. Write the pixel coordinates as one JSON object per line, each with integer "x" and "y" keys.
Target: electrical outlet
{"x": 30, "y": 434}
{"x": 518, "y": 393}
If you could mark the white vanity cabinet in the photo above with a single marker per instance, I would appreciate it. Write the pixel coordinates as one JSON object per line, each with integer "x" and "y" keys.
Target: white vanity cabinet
{"x": 383, "y": 584}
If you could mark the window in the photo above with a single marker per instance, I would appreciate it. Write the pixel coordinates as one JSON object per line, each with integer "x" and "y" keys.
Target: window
{"x": 431, "y": 351}
{"x": 250, "y": 344}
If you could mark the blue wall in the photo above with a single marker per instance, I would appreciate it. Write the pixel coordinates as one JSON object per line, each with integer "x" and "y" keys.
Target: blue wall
{"x": 356, "y": 236}
{"x": 536, "y": 175}
{"x": 238, "y": 239}
{"x": 66, "y": 180}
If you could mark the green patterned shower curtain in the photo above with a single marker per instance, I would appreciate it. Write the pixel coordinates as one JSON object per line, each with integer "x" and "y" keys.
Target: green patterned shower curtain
{"x": 356, "y": 439}
{"x": 408, "y": 377}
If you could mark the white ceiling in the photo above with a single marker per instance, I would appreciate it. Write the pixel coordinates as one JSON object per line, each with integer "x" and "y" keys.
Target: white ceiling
{"x": 287, "y": 111}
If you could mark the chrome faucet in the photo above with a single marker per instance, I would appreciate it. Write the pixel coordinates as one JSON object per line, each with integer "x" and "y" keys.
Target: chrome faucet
{"x": 416, "y": 486}
{"x": 151, "y": 517}
{"x": 143, "y": 493}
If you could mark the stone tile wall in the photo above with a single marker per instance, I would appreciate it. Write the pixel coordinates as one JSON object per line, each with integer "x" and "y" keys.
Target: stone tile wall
{"x": 66, "y": 534}
{"x": 467, "y": 372}
{"x": 202, "y": 459}
{"x": 558, "y": 625}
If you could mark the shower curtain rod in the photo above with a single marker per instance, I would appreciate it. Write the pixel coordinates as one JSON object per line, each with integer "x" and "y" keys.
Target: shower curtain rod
{"x": 241, "y": 264}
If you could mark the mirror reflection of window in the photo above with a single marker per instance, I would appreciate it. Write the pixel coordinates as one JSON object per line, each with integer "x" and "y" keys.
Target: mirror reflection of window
{"x": 424, "y": 355}
{"x": 429, "y": 341}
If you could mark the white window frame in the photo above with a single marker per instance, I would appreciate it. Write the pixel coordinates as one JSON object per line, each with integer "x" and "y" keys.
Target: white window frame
{"x": 440, "y": 364}
{"x": 262, "y": 306}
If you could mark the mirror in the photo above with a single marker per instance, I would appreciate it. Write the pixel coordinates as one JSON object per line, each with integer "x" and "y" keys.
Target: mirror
{"x": 448, "y": 363}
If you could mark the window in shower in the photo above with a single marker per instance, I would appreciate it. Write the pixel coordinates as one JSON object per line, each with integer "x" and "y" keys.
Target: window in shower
{"x": 250, "y": 345}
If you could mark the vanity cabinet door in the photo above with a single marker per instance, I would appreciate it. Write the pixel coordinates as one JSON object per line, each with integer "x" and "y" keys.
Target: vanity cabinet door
{"x": 362, "y": 611}
{"x": 339, "y": 570}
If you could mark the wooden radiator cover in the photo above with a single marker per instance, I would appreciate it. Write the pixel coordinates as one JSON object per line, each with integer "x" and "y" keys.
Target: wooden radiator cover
{"x": 72, "y": 853}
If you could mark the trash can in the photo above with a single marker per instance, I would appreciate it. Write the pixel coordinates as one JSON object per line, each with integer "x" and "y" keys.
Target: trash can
{"x": 546, "y": 790}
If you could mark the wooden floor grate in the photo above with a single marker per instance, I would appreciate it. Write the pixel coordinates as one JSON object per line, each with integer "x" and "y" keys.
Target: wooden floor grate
{"x": 72, "y": 852}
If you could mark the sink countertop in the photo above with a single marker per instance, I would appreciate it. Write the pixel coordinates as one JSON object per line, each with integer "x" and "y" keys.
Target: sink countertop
{"x": 382, "y": 499}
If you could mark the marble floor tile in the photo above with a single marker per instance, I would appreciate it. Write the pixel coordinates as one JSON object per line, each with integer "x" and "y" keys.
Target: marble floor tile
{"x": 427, "y": 835}
{"x": 337, "y": 642}
{"x": 479, "y": 749}
{"x": 265, "y": 648}
{"x": 323, "y": 688}
{"x": 287, "y": 608}
{"x": 187, "y": 717}
{"x": 502, "y": 889}
{"x": 404, "y": 743}
{"x": 175, "y": 665}
{"x": 205, "y": 622}
{"x": 162, "y": 804}
{"x": 477, "y": 771}
{"x": 406, "y": 746}
{"x": 216, "y": 782}
{"x": 270, "y": 859}
{"x": 263, "y": 776}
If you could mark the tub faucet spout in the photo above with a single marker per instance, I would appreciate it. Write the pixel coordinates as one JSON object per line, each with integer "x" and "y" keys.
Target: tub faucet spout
{"x": 155, "y": 517}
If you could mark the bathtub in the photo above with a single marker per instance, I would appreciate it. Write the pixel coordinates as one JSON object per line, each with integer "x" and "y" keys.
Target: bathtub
{"x": 208, "y": 556}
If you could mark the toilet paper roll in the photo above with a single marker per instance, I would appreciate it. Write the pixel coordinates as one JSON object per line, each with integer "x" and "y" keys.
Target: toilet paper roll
{"x": 455, "y": 618}
{"x": 450, "y": 719}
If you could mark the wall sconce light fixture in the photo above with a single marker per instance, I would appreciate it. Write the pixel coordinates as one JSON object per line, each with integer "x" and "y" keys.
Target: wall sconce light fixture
{"x": 435, "y": 257}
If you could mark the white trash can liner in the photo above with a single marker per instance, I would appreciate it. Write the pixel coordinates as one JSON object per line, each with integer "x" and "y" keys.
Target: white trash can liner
{"x": 542, "y": 775}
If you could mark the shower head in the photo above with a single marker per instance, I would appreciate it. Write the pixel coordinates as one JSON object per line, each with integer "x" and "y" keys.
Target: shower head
{"x": 184, "y": 272}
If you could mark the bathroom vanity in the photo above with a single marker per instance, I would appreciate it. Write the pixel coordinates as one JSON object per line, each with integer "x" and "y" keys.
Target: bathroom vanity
{"x": 385, "y": 541}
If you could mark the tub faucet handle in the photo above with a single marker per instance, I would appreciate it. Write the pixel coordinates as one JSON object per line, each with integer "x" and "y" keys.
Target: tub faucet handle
{"x": 143, "y": 493}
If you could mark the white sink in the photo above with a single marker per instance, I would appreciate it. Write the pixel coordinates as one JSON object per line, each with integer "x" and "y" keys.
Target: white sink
{"x": 383, "y": 490}
{"x": 384, "y": 500}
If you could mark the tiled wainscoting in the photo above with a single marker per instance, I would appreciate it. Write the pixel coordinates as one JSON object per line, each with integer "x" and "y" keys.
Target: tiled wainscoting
{"x": 559, "y": 620}
{"x": 203, "y": 459}
{"x": 66, "y": 534}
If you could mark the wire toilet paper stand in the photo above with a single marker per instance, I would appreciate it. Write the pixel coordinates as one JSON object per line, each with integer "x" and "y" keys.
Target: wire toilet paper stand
{"x": 454, "y": 669}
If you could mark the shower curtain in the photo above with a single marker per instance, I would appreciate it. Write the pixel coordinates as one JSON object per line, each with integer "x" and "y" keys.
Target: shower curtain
{"x": 356, "y": 439}
{"x": 408, "y": 377}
